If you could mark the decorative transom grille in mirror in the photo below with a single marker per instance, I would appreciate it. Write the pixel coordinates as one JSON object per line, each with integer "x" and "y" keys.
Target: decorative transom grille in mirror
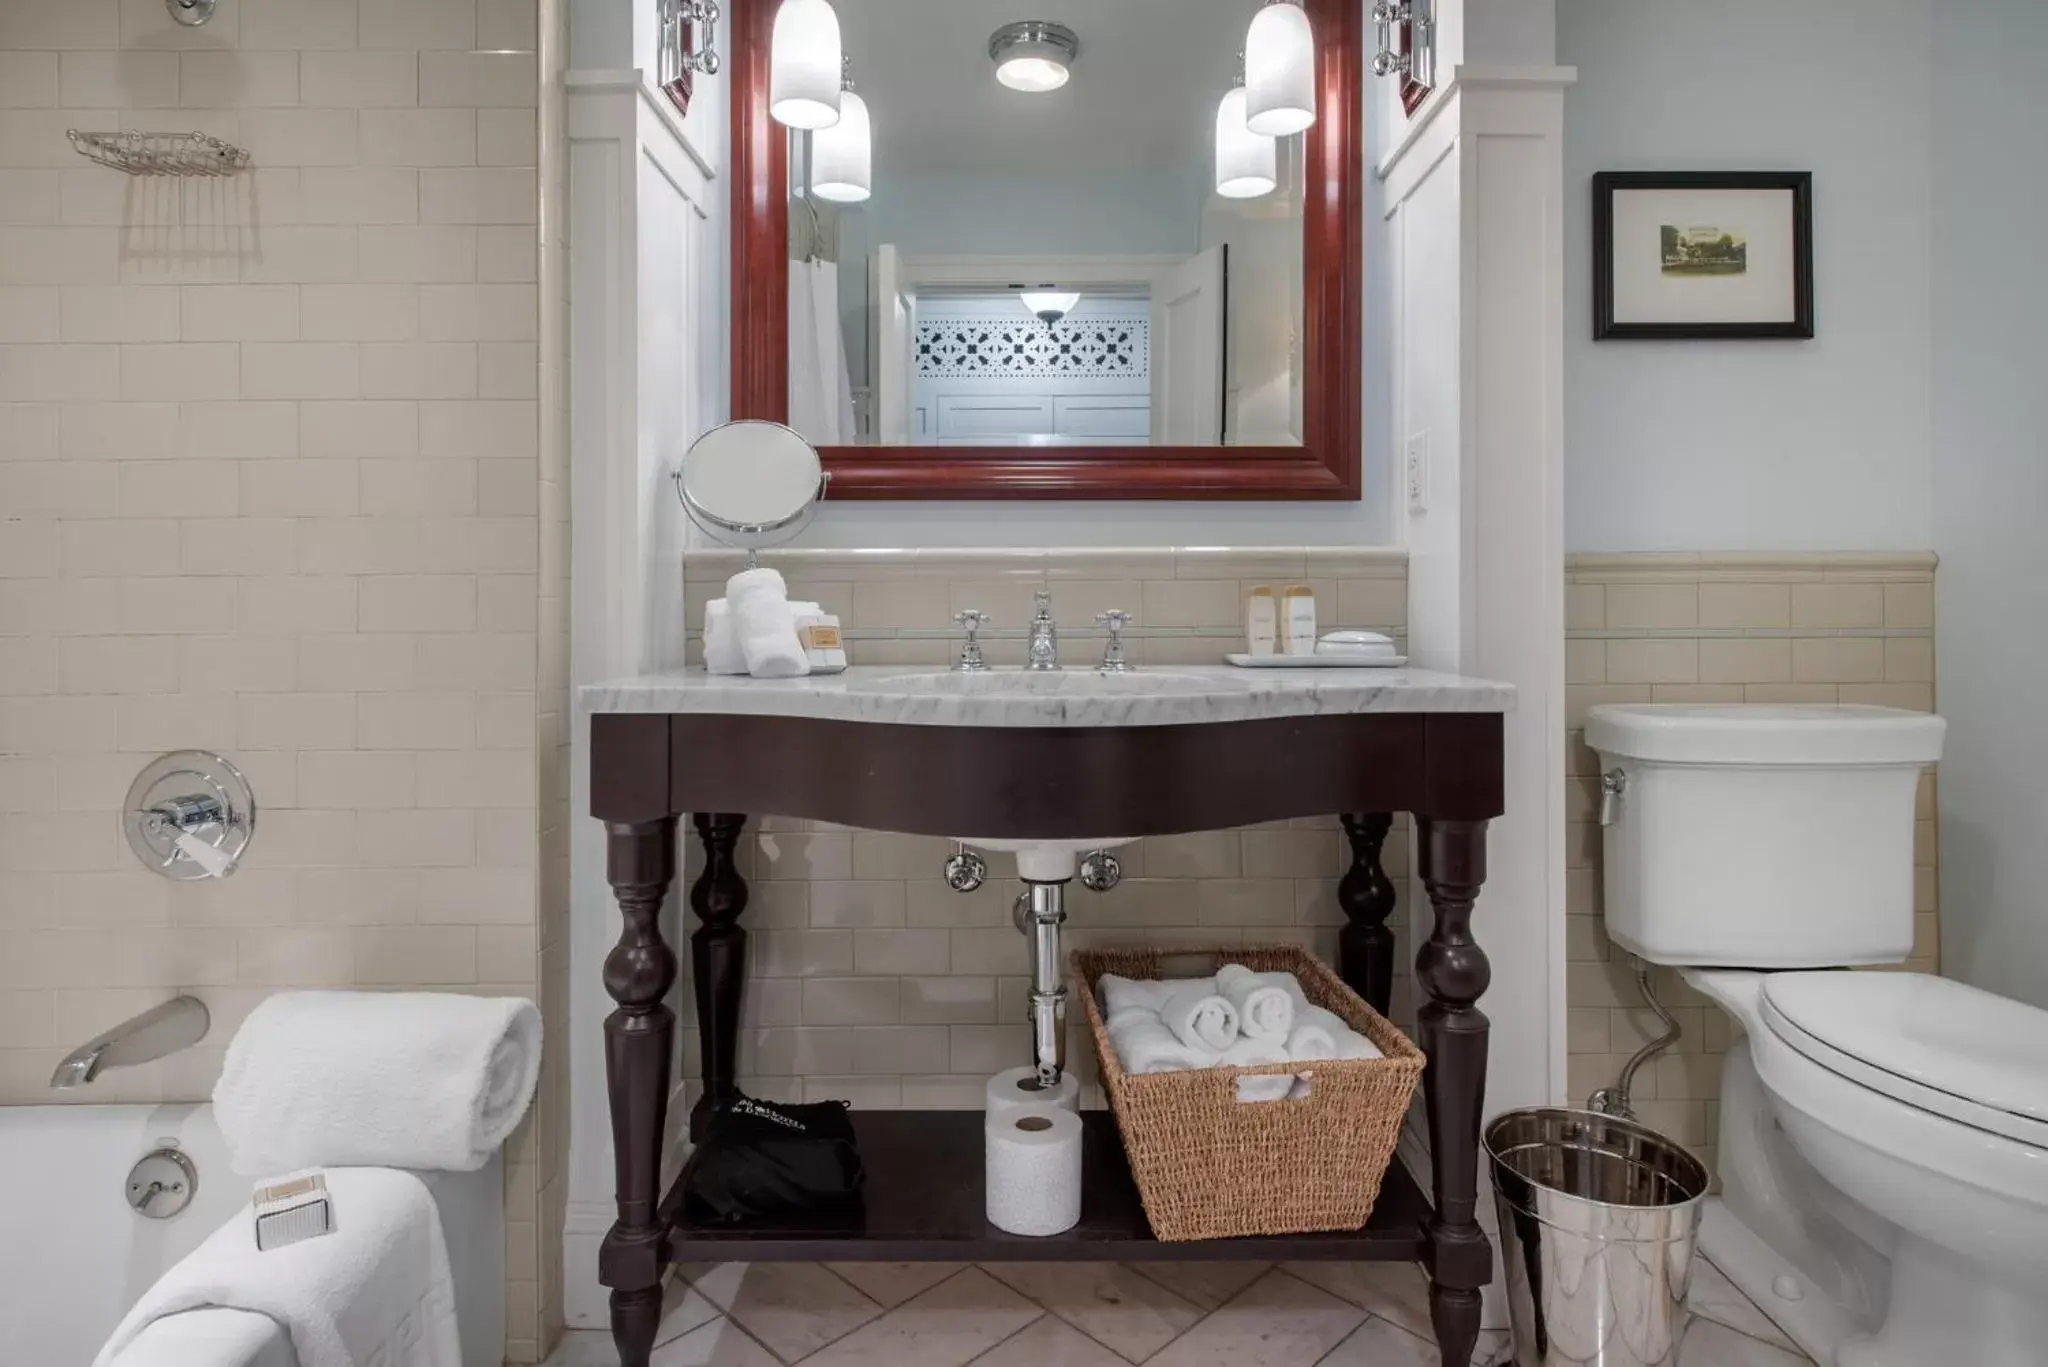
{"x": 1098, "y": 347}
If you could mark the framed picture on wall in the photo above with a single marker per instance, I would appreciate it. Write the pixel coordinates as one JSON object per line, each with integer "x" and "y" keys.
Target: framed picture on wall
{"x": 1690, "y": 254}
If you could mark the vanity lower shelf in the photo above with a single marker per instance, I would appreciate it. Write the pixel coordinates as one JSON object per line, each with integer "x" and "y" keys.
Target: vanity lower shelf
{"x": 924, "y": 1203}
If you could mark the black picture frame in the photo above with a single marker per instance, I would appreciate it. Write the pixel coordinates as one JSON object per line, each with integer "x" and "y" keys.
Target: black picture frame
{"x": 1606, "y": 183}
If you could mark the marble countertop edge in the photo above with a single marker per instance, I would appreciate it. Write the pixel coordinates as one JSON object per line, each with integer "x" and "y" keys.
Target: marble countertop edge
{"x": 890, "y": 694}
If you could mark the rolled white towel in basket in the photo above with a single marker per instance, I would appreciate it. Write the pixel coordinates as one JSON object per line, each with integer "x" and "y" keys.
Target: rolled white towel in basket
{"x": 1266, "y": 1002}
{"x": 1254, "y": 1053}
{"x": 377, "y": 1289}
{"x": 1144, "y": 1045}
{"x": 1320, "y": 1033}
{"x": 373, "y": 1079}
{"x": 1198, "y": 1017}
{"x": 1133, "y": 994}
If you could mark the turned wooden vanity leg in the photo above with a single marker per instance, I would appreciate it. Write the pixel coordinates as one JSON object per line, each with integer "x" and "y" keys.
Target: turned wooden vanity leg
{"x": 639, "y": 1048}
{"x": 718, "y": 958}
{"x": 1452, "y": 972}
{"x": 1365, "y": 947}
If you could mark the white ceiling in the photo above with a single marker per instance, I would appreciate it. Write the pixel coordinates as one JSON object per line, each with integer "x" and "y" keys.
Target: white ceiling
{"x": 1143, "y": 92}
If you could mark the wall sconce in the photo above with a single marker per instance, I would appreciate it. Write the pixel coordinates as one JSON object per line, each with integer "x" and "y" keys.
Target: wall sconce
{"x": 1280, "y": 70}
{"x": 804, "y": 63}
{"x": 681, "y": 51}
{"x": 843, "y": 156}
{"x": 1247, "y": 165}
{"x": 1407, "y": 46}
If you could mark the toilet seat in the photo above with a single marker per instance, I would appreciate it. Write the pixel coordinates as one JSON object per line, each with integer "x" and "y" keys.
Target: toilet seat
{"x": 1934, "y": 1044}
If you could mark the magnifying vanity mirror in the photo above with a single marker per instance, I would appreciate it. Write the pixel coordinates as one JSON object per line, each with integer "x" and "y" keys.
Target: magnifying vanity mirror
{"x": 1082, "y": 287}
{"x": 751, "y": 484}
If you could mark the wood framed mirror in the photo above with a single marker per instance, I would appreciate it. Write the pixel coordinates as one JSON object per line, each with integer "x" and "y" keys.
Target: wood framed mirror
{"x": 1215, "y": 349}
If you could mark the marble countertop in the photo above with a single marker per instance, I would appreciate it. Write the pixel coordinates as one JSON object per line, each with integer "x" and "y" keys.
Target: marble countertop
{"x": 1164, "y": 696}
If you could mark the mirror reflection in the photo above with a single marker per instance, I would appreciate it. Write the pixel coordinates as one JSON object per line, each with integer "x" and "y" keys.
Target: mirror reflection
{"x": 1070, "y": 236}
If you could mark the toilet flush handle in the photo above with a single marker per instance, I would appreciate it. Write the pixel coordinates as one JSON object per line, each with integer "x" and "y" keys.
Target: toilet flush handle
{"x": 1613, "y": 784}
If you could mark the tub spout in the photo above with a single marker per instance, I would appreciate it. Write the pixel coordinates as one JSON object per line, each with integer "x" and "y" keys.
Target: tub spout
{"x": 177, "y": 1024}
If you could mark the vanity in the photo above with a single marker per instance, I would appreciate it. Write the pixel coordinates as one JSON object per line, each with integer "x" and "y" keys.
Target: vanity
{"x": 1045, "y": 757}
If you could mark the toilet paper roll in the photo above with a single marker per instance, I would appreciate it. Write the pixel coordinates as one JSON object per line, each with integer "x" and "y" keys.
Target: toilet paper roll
{"x": 1014, "y": 1087}
{"x": 1033, "y": 1178}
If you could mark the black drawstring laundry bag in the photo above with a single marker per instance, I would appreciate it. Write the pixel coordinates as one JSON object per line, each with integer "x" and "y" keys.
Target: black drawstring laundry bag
{"x": 764, "y": 1161}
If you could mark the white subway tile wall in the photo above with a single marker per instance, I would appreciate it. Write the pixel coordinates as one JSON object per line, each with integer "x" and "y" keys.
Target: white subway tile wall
{"x": 869, "y": 979}
{"x": 273, "y": 482}
{"x": 1759, "y": 628}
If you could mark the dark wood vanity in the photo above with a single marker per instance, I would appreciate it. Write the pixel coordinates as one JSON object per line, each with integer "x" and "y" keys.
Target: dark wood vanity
{"x": 924, "y": 1195}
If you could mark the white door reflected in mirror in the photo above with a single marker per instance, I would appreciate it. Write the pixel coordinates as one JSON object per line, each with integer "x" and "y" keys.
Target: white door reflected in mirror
{"x": 751, "y": 484}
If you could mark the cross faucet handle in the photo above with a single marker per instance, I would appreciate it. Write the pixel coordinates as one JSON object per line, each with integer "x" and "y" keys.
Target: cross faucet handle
{"x": 1113, "y": 661}
{"x": 971, "y": 620}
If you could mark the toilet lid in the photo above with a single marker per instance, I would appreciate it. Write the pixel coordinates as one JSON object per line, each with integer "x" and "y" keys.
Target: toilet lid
{"x": 1933, "y": 1043}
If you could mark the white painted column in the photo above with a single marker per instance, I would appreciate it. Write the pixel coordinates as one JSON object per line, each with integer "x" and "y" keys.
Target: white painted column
{"x": 1474, "y": 224}
{"x": 646, "y": 268}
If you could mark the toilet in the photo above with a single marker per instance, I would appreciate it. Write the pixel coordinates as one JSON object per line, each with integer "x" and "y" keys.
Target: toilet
{"x": 1884, "y": 1136}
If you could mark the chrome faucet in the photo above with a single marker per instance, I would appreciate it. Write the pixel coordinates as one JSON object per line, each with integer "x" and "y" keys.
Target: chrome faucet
{"x": 1044, "y": 651}
{"x": 177, "y": 1024}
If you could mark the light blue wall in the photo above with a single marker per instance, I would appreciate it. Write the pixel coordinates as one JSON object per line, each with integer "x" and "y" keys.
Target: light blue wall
{"x": 1991, "y": 491}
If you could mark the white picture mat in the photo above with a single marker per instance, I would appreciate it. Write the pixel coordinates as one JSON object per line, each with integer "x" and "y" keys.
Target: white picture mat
{"x": 1762, "y": 294}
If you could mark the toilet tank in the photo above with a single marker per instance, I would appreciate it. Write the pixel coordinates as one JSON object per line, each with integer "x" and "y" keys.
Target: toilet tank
{"x": 1760, "y": 837}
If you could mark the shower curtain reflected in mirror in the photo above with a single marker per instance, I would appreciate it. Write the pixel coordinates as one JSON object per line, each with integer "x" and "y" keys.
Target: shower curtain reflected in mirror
{"x": 820, "y": 382}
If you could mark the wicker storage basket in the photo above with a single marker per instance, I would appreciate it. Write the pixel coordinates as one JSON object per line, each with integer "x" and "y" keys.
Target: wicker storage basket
{"x": 1211, "y": 1167}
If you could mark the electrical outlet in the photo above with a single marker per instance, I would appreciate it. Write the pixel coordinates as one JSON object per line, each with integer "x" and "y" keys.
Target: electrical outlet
{"x": 1416, "y": 472}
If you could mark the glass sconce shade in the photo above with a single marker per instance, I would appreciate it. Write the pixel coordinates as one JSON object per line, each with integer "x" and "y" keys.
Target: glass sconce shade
{"x": 1247, "y": 165}
{"x": 842, "y": 156}
{"x": 1280, "y": 71}
{"x": 803, "y": 65}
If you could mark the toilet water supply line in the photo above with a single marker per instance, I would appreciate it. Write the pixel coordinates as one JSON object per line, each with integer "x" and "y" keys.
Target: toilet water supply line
{"x": 1616, "y": 1100}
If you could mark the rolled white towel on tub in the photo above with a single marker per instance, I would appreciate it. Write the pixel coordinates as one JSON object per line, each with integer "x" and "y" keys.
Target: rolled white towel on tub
{"x": 375, "y": 1079}
{"x": 1265, "y": 1002}
{"x": 375, "y": 1290}
{"x": 1144, "y": 1045}
{"x": 1198, "y": 1017}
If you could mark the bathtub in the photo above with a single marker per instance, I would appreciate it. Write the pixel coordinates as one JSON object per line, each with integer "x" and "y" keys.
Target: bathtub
{"x": 74, "y": 1256}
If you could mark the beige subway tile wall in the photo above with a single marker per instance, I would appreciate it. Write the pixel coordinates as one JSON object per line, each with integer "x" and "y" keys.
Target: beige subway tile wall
{"x": 868, "y": 978}
{"x": 271, "y": 480}
{"x": 1719, "y": 628}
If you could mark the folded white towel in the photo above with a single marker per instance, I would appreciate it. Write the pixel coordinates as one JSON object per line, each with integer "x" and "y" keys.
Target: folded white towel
{"x": 1198, "y": 1017}
{"x": 1253, "y": 1053}
{"x": 1135, "y": 994}
{"x": 722, "y": 653}
{"x": 1265, "y": 1002}
{"x": 1143, "y": 1044}
{"x": 376, "y": 1290}
{"x": 765, "y": 623}
{"x": 403, "y": 1080}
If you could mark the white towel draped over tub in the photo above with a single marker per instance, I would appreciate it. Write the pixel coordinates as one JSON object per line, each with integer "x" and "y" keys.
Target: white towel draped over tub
{"x": 376, "y": 1079}
{"x": 374, "y": 1293}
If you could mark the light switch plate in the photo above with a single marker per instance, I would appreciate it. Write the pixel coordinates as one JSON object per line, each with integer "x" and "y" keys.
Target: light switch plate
{"x": 1416, "y": 472}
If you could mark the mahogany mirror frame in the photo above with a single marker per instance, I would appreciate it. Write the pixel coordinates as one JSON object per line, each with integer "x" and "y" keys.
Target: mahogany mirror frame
{"x": 1326, "y": 466}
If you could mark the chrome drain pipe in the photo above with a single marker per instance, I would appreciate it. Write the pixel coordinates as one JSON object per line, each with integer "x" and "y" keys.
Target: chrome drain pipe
{"x": 1043, "y": 911}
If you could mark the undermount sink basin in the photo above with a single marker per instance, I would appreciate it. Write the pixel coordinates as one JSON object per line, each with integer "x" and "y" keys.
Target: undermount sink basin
{"x": 1069, "y": 683}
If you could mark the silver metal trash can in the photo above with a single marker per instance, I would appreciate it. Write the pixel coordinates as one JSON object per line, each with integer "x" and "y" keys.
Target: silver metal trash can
{"x": 1598, "y": 1221}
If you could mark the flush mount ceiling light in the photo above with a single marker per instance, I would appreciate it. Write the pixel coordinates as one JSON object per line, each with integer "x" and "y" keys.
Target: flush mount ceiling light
{"x": 1034, "y": 55}
{"x": 1049, "y": 305}
{"x": 804, "y": 59}
{"x": 1247, "y": 165}
{"x": 842, "y": 156}
{"x": 1280, "y": 70}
